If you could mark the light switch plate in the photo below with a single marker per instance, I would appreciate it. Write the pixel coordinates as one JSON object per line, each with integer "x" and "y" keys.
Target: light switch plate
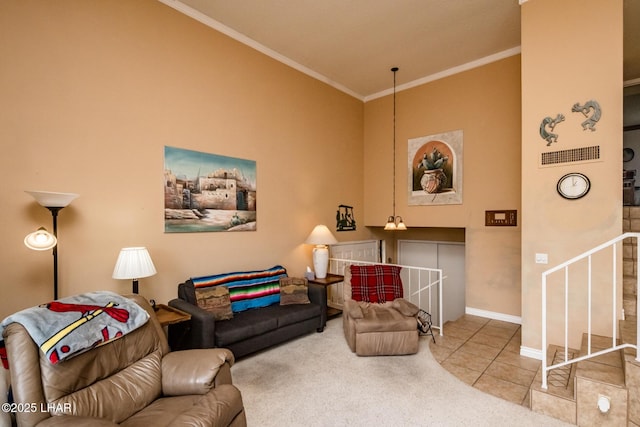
{"x": 542, "y": 259}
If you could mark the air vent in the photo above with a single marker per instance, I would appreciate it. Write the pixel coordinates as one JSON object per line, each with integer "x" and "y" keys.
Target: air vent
{"x": 572, "y": 155}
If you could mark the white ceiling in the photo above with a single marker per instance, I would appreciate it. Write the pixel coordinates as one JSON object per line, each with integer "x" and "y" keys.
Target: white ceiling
{"x": 352, "y": 44}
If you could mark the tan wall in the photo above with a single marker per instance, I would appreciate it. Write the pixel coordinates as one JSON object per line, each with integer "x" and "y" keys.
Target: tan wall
{"x": 578, "y": 57}
{"x": 92, "y": 92}
{"x": 485, "y": 103}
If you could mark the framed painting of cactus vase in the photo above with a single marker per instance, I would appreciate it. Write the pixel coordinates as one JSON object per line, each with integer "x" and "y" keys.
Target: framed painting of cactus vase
{"x": 435, "y": 169}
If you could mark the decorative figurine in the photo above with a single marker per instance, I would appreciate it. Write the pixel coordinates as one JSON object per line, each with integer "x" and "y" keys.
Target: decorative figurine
{"x": 547, "y": 126}
{"x": 345, "y": 220}
{"x": 589, "y": 106}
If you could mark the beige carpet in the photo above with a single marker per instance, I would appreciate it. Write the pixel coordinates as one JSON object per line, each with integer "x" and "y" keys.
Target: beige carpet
{"x": 315, "y": 380}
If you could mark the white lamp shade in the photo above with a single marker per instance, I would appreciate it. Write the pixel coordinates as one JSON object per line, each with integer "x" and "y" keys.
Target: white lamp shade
{"x": 134, "y": 263}
{"x": 321, "y": 236}
{"x": 50, "y": 199}
{"x": 40, "y": 240}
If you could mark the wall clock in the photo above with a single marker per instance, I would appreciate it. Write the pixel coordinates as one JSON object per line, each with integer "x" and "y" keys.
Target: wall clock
{"x": 628, "y": 154}
{"x": 573, "y": 185}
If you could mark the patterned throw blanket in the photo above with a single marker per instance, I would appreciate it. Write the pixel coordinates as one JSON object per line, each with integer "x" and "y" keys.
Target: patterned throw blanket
{"x": 70, "y": 326}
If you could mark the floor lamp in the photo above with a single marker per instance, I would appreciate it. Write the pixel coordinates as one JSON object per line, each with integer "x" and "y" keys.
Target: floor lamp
{"x": 41, "y": 239}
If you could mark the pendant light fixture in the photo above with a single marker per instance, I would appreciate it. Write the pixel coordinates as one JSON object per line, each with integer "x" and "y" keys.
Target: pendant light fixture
{"x": 394, "y": 222}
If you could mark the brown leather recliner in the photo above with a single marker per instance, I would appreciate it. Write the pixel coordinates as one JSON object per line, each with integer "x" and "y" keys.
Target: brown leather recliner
{"x": 379, "y": 329}
{"x": 132, "y": 381}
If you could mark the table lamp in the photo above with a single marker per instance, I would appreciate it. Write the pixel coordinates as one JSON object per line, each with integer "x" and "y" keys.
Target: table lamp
{"x": 133, "y": 264}
{"x": 321, "y": 237}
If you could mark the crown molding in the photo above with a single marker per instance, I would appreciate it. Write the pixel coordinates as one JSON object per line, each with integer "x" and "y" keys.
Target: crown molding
{"x": 446, "y": 73}
{"x": 220, "y": 27}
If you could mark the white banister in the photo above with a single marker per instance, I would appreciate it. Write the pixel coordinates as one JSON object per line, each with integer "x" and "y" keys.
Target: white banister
{"x": 613, "y": 244}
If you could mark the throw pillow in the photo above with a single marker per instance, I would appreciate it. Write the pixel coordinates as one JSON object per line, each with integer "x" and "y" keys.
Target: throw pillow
{"x": 294, "y": 290}
{"x": 216, "y": 300}
{"x": 377, "y": 283}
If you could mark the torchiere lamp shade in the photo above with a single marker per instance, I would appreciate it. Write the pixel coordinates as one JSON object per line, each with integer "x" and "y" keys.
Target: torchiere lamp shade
{"x": 51, "y": 199}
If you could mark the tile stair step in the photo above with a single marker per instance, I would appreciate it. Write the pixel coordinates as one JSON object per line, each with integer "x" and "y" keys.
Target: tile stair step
{"x": 629, "y": 304}
{"x": 563, "y": 384}
{"x": 558, "y": 400}
{"x": 601, "y": 376}
{"x": 627, "y": 329}
{"x": 629, "y": 268}
{"x": 607, "y": 368}
{"x": 630, "y": 284}
{"x": 628, "y": 249}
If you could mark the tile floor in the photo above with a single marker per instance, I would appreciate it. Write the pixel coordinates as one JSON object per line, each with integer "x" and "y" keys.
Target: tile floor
{"x": 485, "y": 354}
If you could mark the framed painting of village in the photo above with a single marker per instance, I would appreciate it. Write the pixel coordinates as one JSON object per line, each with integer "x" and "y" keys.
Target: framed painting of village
{"x": 208, "y": 192}
{"x": 435, "y": 169}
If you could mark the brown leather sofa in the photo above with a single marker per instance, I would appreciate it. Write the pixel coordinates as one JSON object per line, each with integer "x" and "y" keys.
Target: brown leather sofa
{"x": 132, "y": 381}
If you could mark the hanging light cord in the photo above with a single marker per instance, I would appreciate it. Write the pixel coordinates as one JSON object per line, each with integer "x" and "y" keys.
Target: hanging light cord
{"x": 394, "y": 222}
{"x": 394, "y": 69}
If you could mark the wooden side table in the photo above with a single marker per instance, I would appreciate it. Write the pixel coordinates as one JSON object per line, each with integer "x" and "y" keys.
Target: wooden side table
{"x": 169, "y": 315}
{"x": 331, "y": 279}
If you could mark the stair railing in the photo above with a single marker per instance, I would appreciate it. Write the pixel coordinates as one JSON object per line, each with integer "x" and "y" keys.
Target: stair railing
{"x": 613, "y": 243}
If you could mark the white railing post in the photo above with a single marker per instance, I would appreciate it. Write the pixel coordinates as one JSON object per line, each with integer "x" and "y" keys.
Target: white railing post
{"x": 637, "y": 305}
{"x": 440, "y": 306}
{"x": 589, "y": 283}
{"x": 566, "y": 313}
{"x": 544, "y": 331}
{"x": 613, "y": 296}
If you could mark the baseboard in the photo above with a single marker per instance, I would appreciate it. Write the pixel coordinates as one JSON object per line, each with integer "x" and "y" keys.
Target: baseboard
{"x": 533, "y": 353}
{"x": 493, "y": 315}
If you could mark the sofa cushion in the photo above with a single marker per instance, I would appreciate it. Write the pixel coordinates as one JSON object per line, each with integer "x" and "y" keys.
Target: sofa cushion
{"x": 245, "y": 324}
{"x": 288, "y": 315}
{"x": 247, "y": 289}
{"x": 294, "y": 290}
{"x": 376, "y": 283}
{"x": 250, "y": 323}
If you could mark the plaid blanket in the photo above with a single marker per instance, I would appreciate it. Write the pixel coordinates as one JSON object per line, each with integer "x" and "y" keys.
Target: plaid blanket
{"x": 70, "y": 326}
{"x": 377, "y": 283}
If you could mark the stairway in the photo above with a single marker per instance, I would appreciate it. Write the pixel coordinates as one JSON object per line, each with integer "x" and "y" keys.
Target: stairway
{"x": 575, "y": 391}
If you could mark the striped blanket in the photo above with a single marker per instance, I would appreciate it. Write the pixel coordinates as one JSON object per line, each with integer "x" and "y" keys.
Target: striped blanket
{"x": 247, "y": 289}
